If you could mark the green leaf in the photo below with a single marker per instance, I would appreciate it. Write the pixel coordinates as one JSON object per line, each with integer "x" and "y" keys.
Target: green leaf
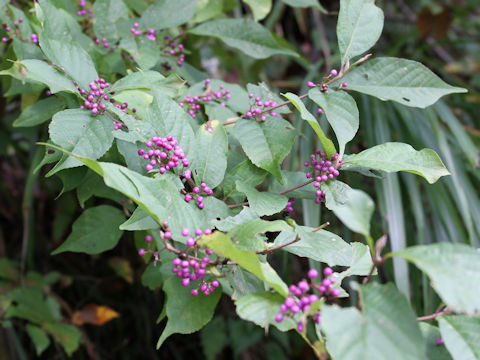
{"x": 243, "y": 282}
{"x": 39, "y": 112}
{"x": 39, "y": 338}
{"x": 261, "y": 308}
{"x": 307, "y": 115}
{"x": 39, "y": 71}
{"x": 266, "y": 144}
{"x": 106, "y": 14}
{"x": 306, "y": 3}
{"x": 405, "y": 81}
{"x": 66, "y": 335}
{"x": 70, "y": 56}
{"x": 245, "y": 35}
{"x": 31, "y": 305}
{"x": 59, "y": 24}
{"x": 353, "y": 207}
{"x": 165, "y": 14}
{"x": 167, "y": 118}
{"x": 393, "y": 157}
{"x": 434, "y": 351}
{"x": 186, "y": 314}
{"x": 222, "y": 246}
{"x": 159, "y": 197}
{"x": 210, "y": 157}
{"x": 291, "y": 179}
{"x": 246, "y": 173}
{"x": 442, "y": 262}
{"x": 230, "y": 222}
{"x": 341, "y": 112}
{"x": 140, "y": 220}
{"x": 361, "y": 262}
{"x": 359, "y": 26}
{"x": 81, "y": 133}
{"x": 260, "y": 8}
{"x": 263, "y": 203}
{"x": 95, "y": 231}
{"x": 207, "y": 9}
{"x": 321, "y": 245}
{"x": 152, "y": 276}
{"x": 387, "y": 325}
{"x": 461, "y": 334}
{"x": 245, "y": 235}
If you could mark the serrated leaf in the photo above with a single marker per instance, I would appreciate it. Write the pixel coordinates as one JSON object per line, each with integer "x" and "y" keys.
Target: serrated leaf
{"x": 461, "y": 335}
{"x": 167, "y": 118}
{"x": 442, "y": 262}
{"x": 359, "y": 26}
{"x": 261, "y": 308}
{"x": 70, "y": 56}
{"x": 186, "y": 314}
{"x": 245, "y": 35}
{"x": 353, "y": 207}
{"x": 291, "y": 179}
{"x": 386, "y": 325}
{"x": 39, "y": 112}
{"x": 106, "y": 14}
{"x": 405, "y": 81}
{"x": 341, "y": 112}
{"x": 38, "y": 71}
{"x": 159, "y": 197}
{"x": 266, "y": 144}
{"x": 210, "y": 157}
{"x": 263, "y": 203}
{"x": 222, "y": 246}
{"x": 307, "y": 116}
{"x": 245, "y": 235}
{"x": 164, "y": 14}
{"x": 81, "y": 133}
{"x": 321, "y": 245}
{"x": 95, "y": 231}
{"x": 246, "y": 173}
{"x": 393, "y": 157}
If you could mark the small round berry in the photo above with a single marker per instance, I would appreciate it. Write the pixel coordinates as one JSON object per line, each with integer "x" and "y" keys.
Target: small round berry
{"x": 215, "y": 283}
{"x": 439, "y": 341}
{"x": 148, "y": 238}
{"x": 141, "y": 252}
{"x": 185, "y": 232}
{"x": 167, "y": 235}
{"x": 303, "y": 285}
{"x": 312, "y": 273}
{"x": 190, "y": 242}
{"x": 327, "y": 271}
{"x": 334, "y": 72}
{"x": 194, "y": 292}
{"x": 185, "y": 281}
{"x": 310, "y": 84}
{"x": 300, "y": 326}
{"x": 336, "y": 292}
{"x": 279, "y": 318}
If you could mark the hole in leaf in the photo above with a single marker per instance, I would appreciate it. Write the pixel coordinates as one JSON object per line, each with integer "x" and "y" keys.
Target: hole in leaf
{"x": 365, "y": 76}
{"x": 50, "y": 152}
{"x": 406, "y": 99}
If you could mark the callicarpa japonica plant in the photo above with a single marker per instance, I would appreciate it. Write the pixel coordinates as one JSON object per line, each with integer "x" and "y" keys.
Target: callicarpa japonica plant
{"x": 195, "y": 170}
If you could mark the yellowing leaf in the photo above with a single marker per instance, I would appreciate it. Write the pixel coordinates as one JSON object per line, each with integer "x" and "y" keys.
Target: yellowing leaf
{"x": 94, "y": 314}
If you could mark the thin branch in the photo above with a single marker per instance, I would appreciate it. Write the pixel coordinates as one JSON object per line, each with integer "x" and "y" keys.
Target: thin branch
{"x": 279, "y": 193}
{"x": 272, "y": 249}
{"x": 323, "y": 226}
{"x": 435, "y": 315}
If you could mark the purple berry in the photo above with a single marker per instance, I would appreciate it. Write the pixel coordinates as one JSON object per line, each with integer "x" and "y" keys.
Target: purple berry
{"x": 148, "y": 238}
{"x": 312, "y": 273}
{"x": 327, "y": 271}
{"x": 141, "y": 252}
{"x": 279, "y": 318}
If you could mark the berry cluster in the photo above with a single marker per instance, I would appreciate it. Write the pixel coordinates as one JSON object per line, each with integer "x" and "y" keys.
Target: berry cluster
{"x": 301, "y": 297}
{"x": 165, "y": 153}
{"x": 324, "y": 84}
{"x": 192, "y": 268}
{"x": 104, "y": 42}
{"x": 290, "y": 205}
{"x": 95, "y": 95}
{"x": 322, "y": 169}
{"x": 193, "y": 103}
{"x": 15, "y": 33}
{"x": 259, "y": 107}
{"x": 150, "y": 34}
{"x": 173, "y": 49}
{"x": 198, "y": 194}
{"x": 83, "y": 11}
